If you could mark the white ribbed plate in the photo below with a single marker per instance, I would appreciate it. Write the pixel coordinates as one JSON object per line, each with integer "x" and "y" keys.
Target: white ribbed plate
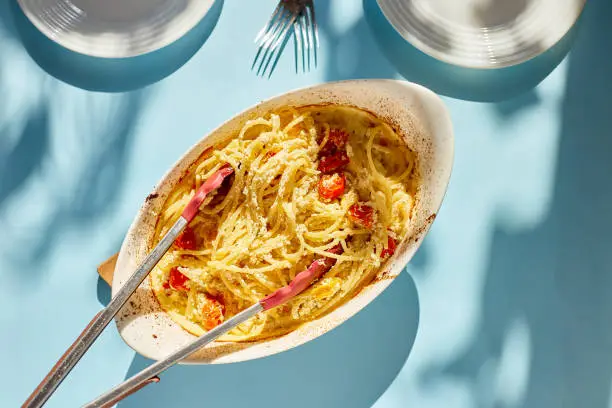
{"x": 115, "y": 28}
{"x": 482, "y": 33}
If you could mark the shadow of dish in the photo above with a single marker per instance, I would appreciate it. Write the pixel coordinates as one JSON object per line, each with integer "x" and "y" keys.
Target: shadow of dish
{"x": 112, "y": 74}
{"x": 481, "y": 85}
{"x": 103, "y": 292}
{"x": 350, "y": 366}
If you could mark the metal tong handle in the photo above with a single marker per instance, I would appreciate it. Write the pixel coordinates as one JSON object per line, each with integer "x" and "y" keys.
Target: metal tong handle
{"x": 300, "y": 283}
{"x": 150, "y": 373}
{"x": 74, "y": 353}
{"x": 77, "y": 349}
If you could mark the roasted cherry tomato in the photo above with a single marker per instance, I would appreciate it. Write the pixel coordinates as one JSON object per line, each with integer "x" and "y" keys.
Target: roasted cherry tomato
{"x": 337, "y": 140}
{"x": 177, "y": 280}
{"x": 187, "y": 239}
{"x": 362, "y": 214}
{"x": 338, "y": 137}
{"x": 333, "y": 162}
{"x": 212, "y": 313}
{"x": 390, "y": 249}
{"x": 331, "y": 186}
{"x": 337, "y": 249}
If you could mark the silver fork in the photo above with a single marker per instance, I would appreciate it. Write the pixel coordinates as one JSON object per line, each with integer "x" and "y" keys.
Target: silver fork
{"x": 306, "y": 37}
{"x": 296, "y": 14}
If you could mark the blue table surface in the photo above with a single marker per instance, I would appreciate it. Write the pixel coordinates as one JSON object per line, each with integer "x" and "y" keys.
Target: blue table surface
{"x": 507, "y": 304}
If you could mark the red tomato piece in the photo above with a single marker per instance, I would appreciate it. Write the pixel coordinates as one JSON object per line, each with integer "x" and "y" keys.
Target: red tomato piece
{"x": 338, "y": 137}
{"x": 362, "y": 214}
{"x": 187, "y": 239}
{"x": 333, "y": 162}
{"x": 337, "y": 249}
{"x": 390, "y": 249}
{"x": 336, "y": 140}
{"x": 331, "y": 186}
{"x": 177, "y": 280}
{"x": 212, "y": 313}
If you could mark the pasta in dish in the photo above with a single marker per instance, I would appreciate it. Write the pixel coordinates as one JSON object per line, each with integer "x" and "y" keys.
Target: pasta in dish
{"x": 306, "y": 180}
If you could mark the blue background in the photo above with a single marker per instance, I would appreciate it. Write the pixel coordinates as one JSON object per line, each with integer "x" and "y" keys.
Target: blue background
{"x": 507, "y": 304}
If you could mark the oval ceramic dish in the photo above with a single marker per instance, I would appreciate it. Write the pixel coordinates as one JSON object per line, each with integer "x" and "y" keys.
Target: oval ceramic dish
{"x": 413, "y": 111}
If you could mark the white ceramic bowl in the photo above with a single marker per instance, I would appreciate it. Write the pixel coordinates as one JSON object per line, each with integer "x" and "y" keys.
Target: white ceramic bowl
{"x": 482, "y": 34}
{"x": 415, "y": 112}
{"x": 115, "y": 28}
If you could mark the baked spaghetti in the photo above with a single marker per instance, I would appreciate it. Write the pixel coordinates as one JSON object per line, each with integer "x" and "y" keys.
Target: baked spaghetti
{"x": 306, "y": 180}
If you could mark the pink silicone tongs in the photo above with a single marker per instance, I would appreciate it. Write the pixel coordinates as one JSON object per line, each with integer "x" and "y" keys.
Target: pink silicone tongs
{"x": 77, "y": 349}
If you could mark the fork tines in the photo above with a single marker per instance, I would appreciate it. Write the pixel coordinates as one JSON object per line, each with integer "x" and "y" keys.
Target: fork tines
{"x": 273, "y": 37}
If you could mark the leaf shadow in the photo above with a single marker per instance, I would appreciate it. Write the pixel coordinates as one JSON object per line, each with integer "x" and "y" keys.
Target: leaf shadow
{"x": 71, "y": 194}
{"x": 25, "y": 158}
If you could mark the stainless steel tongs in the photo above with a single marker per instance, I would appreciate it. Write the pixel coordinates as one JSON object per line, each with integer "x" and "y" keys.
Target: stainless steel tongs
{"x": 77, "y": 349}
